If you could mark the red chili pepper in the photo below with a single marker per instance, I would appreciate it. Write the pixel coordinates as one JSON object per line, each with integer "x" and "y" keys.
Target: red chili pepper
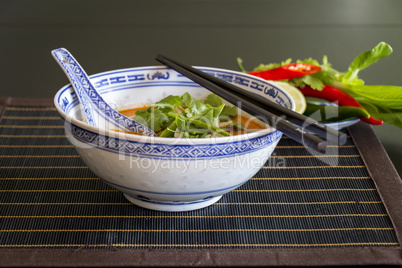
{"x": 342, "y": 98}
{"x": 288, "y": 71}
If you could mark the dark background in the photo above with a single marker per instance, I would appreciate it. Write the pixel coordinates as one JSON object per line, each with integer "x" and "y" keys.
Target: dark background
{"x": 105, "y": 35}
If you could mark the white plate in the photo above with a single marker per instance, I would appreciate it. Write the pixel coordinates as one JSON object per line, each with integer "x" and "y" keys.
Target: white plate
{"x": 342, "y": 124}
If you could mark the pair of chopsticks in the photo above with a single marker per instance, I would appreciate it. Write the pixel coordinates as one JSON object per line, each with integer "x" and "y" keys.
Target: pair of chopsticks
{"x": 294, "y": 125}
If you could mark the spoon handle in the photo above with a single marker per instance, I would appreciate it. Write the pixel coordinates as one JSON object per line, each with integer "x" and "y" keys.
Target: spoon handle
{"x": 98, "y": 112}
{"x": 78, "y": 79}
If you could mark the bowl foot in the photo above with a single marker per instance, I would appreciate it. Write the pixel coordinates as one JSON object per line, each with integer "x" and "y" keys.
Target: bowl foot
{"x": 172, "y": 206}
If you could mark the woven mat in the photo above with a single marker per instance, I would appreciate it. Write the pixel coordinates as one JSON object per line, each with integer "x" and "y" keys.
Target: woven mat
{"x": 297, "y": 203}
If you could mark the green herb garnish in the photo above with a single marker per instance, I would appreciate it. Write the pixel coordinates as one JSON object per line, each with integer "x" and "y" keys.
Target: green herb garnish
{"x": 184, "y": 116}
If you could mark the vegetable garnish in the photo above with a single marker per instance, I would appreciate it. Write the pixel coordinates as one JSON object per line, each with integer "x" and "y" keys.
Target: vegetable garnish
{"x": 295, "y": 93}
{"x": 327, "y": 113}
{"x": 288, "y": 71}
{"x": 381, "y": 102}
{"x": 187, "y": 117}
{"x": 341, "y": 98}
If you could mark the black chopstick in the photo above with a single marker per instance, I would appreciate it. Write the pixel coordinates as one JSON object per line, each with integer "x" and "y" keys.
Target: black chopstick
{"x": 307, "y": 123}
{"x": 294, "y": 132}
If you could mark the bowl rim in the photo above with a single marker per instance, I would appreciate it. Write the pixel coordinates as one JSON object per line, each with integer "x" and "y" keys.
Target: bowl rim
{"x": 161, "y": 140}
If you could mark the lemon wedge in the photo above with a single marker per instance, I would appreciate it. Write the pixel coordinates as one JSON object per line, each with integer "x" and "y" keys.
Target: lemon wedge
{"x": 296, "y": 94}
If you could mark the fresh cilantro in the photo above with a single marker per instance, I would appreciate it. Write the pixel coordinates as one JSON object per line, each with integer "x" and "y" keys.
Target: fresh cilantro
{"x": 185, "y": 99}
{"x": 152, "y": 118}
{"x": 171, "y": 100}
{"x": 229, "y": 110}
{"x": 213, "y": 100}
{"x": 264, "y": 67}
{"x": 186, "y": 116}
{"x": 310, "y": 80}
{"x": 195, "y": 107}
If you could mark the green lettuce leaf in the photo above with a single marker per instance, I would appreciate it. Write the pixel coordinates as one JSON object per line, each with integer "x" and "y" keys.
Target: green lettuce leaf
{"x": 364, "y": 60}
{"x": 389, "y": 97}
{"x": 390, "y": 116}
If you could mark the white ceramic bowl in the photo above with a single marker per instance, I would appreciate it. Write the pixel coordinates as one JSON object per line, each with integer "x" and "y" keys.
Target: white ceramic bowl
{"x": 164, "y": 173}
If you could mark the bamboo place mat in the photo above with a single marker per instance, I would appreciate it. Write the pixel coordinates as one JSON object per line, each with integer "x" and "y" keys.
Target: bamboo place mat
{"x": 339, "y": 209}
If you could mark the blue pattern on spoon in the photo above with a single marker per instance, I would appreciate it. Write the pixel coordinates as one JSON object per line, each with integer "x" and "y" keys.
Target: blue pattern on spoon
{"x": 97, "y": 111}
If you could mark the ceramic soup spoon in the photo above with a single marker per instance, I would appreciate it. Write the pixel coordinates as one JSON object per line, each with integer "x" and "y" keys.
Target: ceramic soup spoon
{"x": 97, "y": 111}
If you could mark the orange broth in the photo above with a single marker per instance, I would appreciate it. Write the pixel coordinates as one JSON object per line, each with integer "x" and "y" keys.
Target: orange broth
{"x": 251, "y": 124}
